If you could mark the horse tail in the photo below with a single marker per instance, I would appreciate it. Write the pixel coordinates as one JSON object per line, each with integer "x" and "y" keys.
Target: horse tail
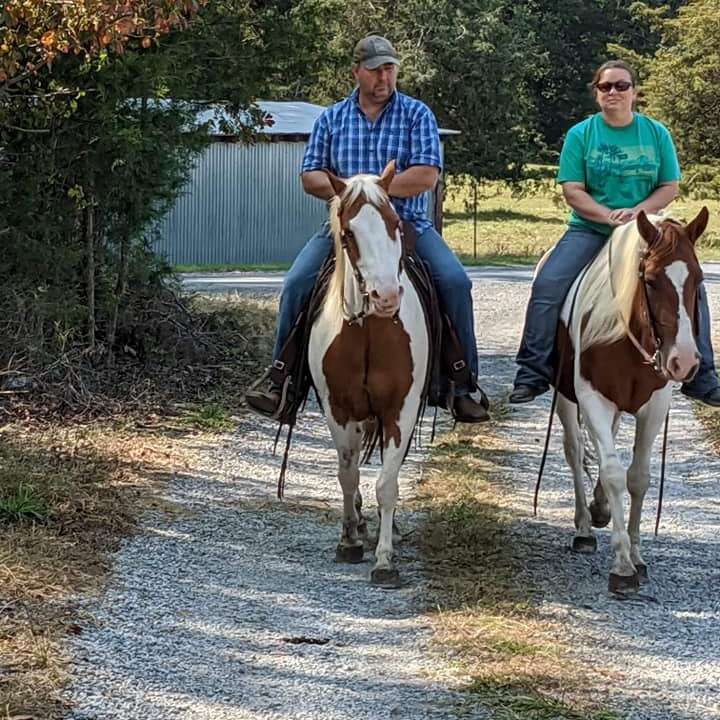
{"x": 372, "y": 434}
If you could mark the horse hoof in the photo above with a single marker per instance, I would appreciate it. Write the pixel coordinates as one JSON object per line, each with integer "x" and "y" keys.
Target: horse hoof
{"x": 349, "y": 553}
{"x": 600, "y": 516}
{"x": 642, "y": 572}
{"x": 584, "y": 544}
{"x": 385, "y": 578}
{"x": 623, "y": 583}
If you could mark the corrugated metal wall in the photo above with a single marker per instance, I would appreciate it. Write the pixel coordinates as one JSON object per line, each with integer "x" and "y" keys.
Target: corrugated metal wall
{"x": 243, "y": 204}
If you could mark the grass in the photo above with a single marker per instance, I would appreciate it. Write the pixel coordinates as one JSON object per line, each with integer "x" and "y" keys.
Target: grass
{"x": 510, "y": 701}
{"x": 516, "y": 665}
{"x": 71, "y": 491}
{"x": 262, "y": 267}
{"x": 21, "y": 503}
{"x": 210, "y": 417}
{"x": 518, "y": 230}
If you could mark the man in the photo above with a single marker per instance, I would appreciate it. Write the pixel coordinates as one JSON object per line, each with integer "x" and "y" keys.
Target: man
{"x": 361, "y": 134}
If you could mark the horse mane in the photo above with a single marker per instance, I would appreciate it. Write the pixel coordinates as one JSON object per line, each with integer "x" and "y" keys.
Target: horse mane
{"x": 356, "y": 186}
{"x": 599, "y": 313}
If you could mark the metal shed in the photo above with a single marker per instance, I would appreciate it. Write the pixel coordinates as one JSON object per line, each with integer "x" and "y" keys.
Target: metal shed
{"x": 228, "y": 212}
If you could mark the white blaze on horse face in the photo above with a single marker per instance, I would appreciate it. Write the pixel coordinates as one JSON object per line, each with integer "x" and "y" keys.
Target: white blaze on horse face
{"x": 683, "y": 358}
{"x": 379, "y": 257}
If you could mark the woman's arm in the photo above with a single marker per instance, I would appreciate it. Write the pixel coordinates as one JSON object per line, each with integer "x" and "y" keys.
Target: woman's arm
{"x": 580, "y": 201}
{"x": 660, "y": 198}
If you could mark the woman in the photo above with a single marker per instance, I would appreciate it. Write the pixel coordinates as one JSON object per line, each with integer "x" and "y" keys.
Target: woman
{"x": 612, "y": 165}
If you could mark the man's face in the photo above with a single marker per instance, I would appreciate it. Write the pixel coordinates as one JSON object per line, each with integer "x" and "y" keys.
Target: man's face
{"x": 376, "y": 85}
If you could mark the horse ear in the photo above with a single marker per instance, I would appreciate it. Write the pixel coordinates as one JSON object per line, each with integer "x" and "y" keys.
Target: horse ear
{"x": 338, "y": 184}
{"x": 648, "y": 231}
{"x": 697, "y": 226}
{"x": 387, "y": 175}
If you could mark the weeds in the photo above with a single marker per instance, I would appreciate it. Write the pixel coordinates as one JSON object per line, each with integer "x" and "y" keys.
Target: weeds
{"x": 22, "y": 504}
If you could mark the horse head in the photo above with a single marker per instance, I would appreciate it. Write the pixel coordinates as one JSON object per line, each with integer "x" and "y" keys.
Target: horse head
{"x": 367, "y": 238}
{"x": 670, "y": 276}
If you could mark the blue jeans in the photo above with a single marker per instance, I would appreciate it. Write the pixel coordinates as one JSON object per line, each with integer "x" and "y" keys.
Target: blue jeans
{"x": 451, "y": 282}
{"x": 576, "y": 248}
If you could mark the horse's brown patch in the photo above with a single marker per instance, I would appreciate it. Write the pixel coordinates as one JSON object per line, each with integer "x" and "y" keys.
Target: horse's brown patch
{"x": 565, "y": 358}
{"x": 369, "y": 372}
{"x": 618, "y": 372}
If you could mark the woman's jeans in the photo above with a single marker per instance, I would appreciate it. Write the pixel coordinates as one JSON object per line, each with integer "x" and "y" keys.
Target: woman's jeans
{"x": 576, "y": 248}
{"x": 451, "y": 282}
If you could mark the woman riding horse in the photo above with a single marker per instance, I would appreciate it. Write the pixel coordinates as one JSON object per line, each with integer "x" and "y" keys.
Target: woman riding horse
{"x": 613, "y": 165}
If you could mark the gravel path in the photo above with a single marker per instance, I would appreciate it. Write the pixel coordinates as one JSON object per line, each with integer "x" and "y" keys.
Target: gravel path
{"x": 659, "y": 652}
{"x": 235, "y": 609}
{"x": 207, "y": 609}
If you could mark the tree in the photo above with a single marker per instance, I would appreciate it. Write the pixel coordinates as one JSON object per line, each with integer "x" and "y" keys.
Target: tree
{"x": 682, "y": 88}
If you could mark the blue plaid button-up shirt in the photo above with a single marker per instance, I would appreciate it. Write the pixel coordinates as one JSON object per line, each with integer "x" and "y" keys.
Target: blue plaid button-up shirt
{"x": 345, "y": 142}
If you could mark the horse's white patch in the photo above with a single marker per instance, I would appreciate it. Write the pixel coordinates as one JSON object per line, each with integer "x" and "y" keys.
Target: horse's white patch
{"x": 678, "y": 273}
{"x": 379, "y": 253}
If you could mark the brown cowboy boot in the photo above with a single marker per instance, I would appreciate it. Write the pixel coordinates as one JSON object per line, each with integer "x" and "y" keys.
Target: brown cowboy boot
{"x": 468, "y": 409}
{"x": 264, "y": 399}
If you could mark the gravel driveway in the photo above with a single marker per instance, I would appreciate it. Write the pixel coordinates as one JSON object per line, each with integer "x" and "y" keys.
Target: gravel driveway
{"x": 234, "y": 608}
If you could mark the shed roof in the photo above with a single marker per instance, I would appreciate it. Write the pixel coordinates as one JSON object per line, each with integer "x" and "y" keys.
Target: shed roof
{"x": 289, "y": 118}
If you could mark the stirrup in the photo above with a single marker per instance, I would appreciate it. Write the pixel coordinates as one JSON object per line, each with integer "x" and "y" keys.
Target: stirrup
{"x": 283, "y": 391}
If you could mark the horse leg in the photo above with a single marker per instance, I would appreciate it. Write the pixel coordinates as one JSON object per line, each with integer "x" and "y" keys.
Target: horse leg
{"x": 649, "y": 421}
{"x": 599, "y": 414}
{"x": 599, "y": 508}
{"x": 573, "y": 442}
{"x": 347, "y": 442}
{"x": 362, "y": 527}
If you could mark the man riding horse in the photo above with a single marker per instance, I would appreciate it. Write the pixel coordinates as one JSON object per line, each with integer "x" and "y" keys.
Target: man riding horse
{"x": 374, "y": 125}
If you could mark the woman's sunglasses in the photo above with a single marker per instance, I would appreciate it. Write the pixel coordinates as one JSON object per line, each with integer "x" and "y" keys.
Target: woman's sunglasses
{"x": 620, "y": 86}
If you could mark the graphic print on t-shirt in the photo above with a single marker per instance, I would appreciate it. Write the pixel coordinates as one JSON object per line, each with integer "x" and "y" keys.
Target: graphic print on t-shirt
{"x": 623, "y": 169}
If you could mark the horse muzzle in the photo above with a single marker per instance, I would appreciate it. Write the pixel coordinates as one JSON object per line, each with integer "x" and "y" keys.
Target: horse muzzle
{"x": 386, "y": 304}
{"x": 682, "y": 365}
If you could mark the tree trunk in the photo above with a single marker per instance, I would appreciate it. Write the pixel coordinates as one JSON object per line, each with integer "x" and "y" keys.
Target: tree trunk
{"x": 90, "y": 253}
{"x": 120, "y": 290}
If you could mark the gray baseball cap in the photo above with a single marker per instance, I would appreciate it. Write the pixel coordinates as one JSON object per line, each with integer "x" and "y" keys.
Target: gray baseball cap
{"x": 373, "y": 51}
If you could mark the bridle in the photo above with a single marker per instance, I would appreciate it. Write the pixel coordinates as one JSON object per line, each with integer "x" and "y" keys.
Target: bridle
{"x": 654, "y": 360}
{"x": 356, "y": 318}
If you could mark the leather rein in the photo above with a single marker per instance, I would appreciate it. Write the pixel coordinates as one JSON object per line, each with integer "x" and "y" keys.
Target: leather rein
{"x": 654, "y": 360}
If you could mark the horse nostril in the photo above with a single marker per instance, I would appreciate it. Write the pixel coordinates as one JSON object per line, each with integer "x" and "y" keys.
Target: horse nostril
{"x": 375, "y": 295}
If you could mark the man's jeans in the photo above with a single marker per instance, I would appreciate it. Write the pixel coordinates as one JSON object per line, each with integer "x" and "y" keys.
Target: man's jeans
{"x": 451, "y": 282}
{"x": 576, "y": 248}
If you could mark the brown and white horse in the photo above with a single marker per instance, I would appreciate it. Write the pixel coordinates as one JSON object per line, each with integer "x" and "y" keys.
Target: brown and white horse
{"x": 629, "y": 334}
{"x": 368, "y": 355}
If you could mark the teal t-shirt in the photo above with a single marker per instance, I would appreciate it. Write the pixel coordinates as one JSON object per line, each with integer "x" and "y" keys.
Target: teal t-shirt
{"x": 620, "y": 167}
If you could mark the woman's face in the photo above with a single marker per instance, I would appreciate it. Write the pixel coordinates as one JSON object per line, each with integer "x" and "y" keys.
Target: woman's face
{"x": 614, "y": 91}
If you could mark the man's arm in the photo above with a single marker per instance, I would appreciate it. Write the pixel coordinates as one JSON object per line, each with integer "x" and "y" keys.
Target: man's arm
{"x": 317, "y": 184}
{"x": 413, "y": 181}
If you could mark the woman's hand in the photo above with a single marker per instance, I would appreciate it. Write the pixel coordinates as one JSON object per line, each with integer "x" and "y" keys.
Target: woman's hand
{"x": 620, "y": 216}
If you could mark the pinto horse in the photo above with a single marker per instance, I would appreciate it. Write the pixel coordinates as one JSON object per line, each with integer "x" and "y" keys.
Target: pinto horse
{"x": 368, "y": 355}
{"x": 627, "y": 329}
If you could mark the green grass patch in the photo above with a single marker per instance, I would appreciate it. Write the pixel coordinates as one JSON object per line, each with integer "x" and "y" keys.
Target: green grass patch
{"x": 21, "y": 503}
{"x": 515, "y": 701}
{"x": 210, "y": 417}
{"x": 263, "y": 267}
{"x": 483, "y": 605}
{"x": 517, "y": 228}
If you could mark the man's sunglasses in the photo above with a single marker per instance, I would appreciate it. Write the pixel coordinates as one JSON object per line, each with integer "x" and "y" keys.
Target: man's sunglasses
{"x": 620, "y": 86}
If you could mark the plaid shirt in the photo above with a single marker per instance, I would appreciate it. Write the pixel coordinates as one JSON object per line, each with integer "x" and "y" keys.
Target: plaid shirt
{"x": 345, "y": 142}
